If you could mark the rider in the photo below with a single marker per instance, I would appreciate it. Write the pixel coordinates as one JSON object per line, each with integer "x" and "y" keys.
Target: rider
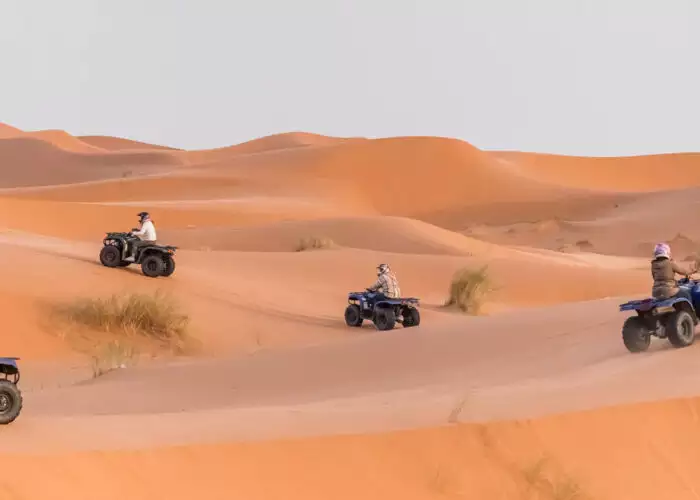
{"x": 386, "y": 286}
{"x": 663, "y": 268}
{"x": 146, "y": 233}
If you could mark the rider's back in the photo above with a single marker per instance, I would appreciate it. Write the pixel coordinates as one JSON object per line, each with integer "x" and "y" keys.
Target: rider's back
{"x": 390, "y": 285}
{"x": 662, "y": 271}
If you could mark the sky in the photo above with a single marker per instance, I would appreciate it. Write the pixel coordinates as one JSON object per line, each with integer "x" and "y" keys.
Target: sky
{"x": 584, "y": 77}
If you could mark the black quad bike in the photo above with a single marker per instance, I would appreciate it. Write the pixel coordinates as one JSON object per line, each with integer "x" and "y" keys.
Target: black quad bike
{"x": 155, "y": 260}
{"x": 10, "y": 395}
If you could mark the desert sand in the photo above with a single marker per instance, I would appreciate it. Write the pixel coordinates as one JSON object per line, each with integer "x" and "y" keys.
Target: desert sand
{"x": 535, "y": 398}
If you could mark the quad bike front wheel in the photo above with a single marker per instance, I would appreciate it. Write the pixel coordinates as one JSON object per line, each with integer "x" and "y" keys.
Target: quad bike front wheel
{"x": 635, "y": 334}
{"x": 353, "y": 316}
{"x": 152, "y": 266}
{"x": 680, "y": 329}
{"x": 110, "y": 256}
{"x": 10, "y": 402}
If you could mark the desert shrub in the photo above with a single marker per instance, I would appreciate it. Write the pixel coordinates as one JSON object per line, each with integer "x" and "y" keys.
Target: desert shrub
{"x": 314, "y": 243}
{"x": 468, "y": 289}
{"x": 156, "y": 315}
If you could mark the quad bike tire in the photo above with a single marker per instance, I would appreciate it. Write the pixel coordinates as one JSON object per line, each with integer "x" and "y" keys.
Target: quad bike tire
{"x": 152, "y": 266}
{"x": 680, "y": 329}
{"x": 168, "y": 266}
{"x": 110, "y": 256}
{"x": 635, "y": 334}
{"x": 411, "y": 317}
{"x": 385, "y": 319}
{"x": 353, "y": 316}
{"x": 10, "y": 402}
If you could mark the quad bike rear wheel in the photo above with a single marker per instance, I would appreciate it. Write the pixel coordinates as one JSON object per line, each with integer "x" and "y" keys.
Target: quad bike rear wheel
{"x": 10, "y": 402}
{"x": 385, "y": 319}
{"x": 110, "y": 256}
{"x": 152, "y": 266}
{"x": 168, "y": 265}
{"x": 635, "y": 334}
{"x": 411, "y": 317}
{"x": 353, "y": 316}
{"x": 680, "y": 329}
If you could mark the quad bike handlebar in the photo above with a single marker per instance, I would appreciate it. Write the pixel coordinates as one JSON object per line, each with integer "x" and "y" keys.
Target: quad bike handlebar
{"x": 686, "y": 279}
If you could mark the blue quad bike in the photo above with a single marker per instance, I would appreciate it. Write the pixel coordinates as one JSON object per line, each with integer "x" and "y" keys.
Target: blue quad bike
{"x": 384, "y": 313}
{"x": 10, "y": 395}
{"x": 674, "y": 319}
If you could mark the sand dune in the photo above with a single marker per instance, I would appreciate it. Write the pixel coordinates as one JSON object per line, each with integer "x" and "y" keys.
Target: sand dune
{"x": 119, "y": 144}
{"x": 28, "y": 161}
{"x": 64, "y": 141}
{"x": 387, "y": 234}
{"x": 8, "y": 131}
{"x": 635, "y": 173}
{"x": 282, "y": 399}
{"x": 268, "y": 144}
{"x": 559, "y": 456}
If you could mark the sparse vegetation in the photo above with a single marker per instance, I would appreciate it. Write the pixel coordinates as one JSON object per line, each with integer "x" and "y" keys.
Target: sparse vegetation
{"x": 534, "y": 474}
{"x": 155, "y": 316}
{"x": 112, "y": 356}
{"x": 468, "y": 289}
{"x": 314, "y": 243}
{"x": 564, "y": 488}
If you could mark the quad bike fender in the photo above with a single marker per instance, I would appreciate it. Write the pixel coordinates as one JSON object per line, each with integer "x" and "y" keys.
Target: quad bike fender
{"x": 675, "y": 304}
{"x": 9, "y": 370}
{"x": 9, "y": 366}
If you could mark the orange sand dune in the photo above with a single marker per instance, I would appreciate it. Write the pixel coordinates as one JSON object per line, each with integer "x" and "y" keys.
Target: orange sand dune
{"x": 441, "y": 181}
{"x": 597, "y": 455}
{"x": 399, "y": 176}
{"x": 387, "y": 234}
{"x": 9, "y": 131}
{"x": 324, "y": 403}
{"x": 119, "y": 144}
{"x": 630, "y": 228}
{"x": 58, "y": 138}
{"x": 64, "y": 140}
{"x": 634, "y": 173}
{"x": 28, "y": 161}
{"x": 287, "y": 141}
{"x": 276, "y": 142}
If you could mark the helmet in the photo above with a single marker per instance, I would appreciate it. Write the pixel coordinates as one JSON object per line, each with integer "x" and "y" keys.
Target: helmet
{"x": 144, "y": 216}
{"x": 382, "y": 268}
{"x": 662, "y": 250}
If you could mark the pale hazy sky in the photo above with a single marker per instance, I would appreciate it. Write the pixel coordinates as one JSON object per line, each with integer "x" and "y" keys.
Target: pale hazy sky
{"x": 592, "y": 77}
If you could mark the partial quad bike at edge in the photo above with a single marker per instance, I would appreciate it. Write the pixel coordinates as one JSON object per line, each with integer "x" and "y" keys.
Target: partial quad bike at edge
{"x": 384, "y": 313}
{"x": 155, "y": 260}
{"x": 674, "y": 319}
{"x": 10, "y": 395}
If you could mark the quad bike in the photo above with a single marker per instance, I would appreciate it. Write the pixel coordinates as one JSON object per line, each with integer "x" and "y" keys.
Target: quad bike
{"x": 155, "y": 260}
{"x": 10, "y": 395}
{"x": 674, "y": 319}
{"x": 384, "y": 313}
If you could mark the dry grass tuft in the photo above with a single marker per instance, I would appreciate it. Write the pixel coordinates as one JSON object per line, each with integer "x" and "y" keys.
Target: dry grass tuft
{"x": 154, "y": 316}
{"x": 314, "y": 243}
{"x": 468, "y": 289}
